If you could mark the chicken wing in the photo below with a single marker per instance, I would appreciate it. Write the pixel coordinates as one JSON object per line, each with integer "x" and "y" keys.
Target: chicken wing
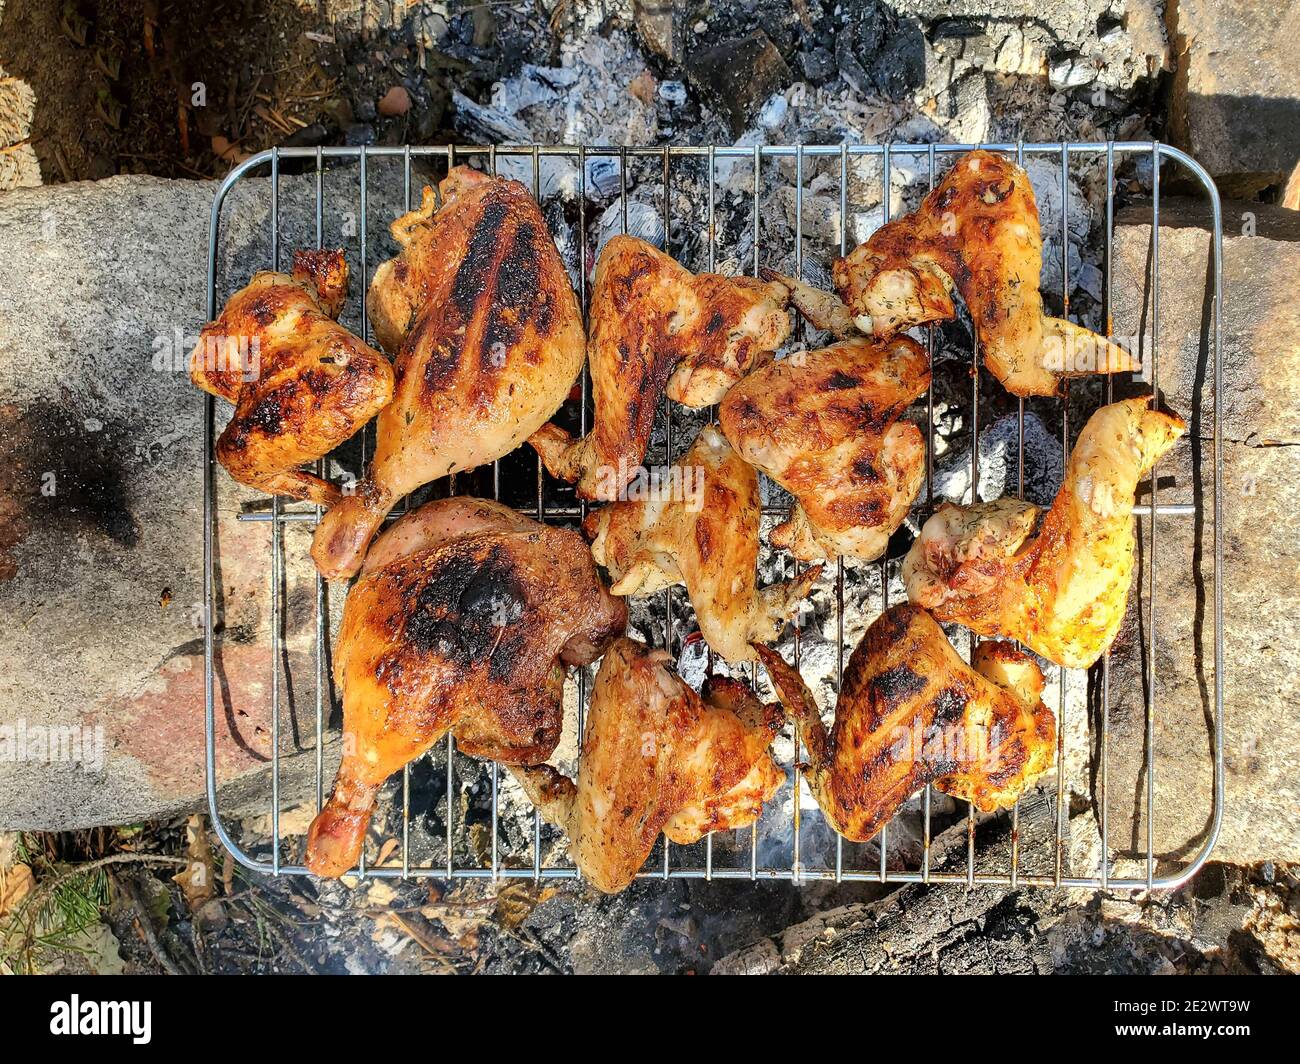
{"x": 911, "y": 712}
{"x": 823, "y": 424}
{"x": 300, "y": 382}
{"x": 1058, "y": 585}
{"x": 699, "y": 526}
{"x": 657, "y": 757}
{"x": 655, "y": 328}
{"x": 976, "y": 231}
{"x": 464, "y": 620}
{"x": 489, "y": 342}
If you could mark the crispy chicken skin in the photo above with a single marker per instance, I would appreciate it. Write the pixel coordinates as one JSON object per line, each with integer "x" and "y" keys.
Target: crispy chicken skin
{"x": 700, "y": 529}
{"x": 911, "y": 712}
{"x": 304, "y": 385}
{"x": 823, "y": 424}
{"x": 657, "y": 757}
{"x": 1059, "y": 584}
{"x": 977, "y": 231}
{"x": 489, "y": 342}
{"x": 655, "y": 328}
{"x": 464, "y": 620}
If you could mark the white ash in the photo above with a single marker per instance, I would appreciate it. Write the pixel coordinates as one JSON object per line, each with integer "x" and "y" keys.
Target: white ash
{"x": 999, "y": 469}
{"x": 642, "y": 221}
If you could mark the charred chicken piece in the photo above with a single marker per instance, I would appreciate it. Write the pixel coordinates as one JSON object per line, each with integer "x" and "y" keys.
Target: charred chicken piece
{"x": 1058, "y": 582}
{"x": 976, "y": 232}
{"x": 300, "y": 382}
{"x": 699, "y": 526}
{"x": 655, "y": 328}
{"x": 489, "y": 341}
{"x": 911, "y": 712}
{"x": 823, "y": 424}
{"x": 464, "y": 620}
{"x": 657, "y": 757}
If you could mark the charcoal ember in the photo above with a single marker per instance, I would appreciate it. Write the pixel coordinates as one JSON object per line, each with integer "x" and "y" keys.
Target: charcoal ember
{"x": 879, "y": 54}
{"x": 359, "y": 134}
{"x": 739, "y": 76}
{"x": 818, "y": 65}
{"x": 659, "y": 27}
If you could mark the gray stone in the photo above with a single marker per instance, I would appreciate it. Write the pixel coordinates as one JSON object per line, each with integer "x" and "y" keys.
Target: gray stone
{"x": 1259, "y": 408}
{"x": 102, "y": 288}
{"x": 1235, "y": 103}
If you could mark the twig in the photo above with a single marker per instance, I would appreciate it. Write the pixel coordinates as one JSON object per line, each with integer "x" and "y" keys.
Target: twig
{"x": 145, "y": 922}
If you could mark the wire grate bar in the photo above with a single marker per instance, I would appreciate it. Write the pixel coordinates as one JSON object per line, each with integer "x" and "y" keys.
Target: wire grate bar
{"x": 746, "y": 858}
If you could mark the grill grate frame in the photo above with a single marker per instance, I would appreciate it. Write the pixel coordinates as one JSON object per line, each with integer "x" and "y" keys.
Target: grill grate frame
{"x": 531, "y": 866}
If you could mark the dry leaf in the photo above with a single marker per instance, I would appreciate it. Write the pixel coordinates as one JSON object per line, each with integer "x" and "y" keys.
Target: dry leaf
{"x": 15, "y": 884}
{"x": 197, "y": 879}
{"x": 223, "y": 149}
{"x": 642, "y": 87}
{"x": 386, "y": 852}
{"x": 514, "y": 904}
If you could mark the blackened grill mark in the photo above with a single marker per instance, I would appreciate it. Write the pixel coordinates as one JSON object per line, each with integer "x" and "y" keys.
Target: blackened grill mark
{"x": 897, "y": 685}
{"x": 480, "y": 258}
{"x": 465, "y": 610}
{"x": 999, "y": 191}
{"x": 267, "y": 414}
{"x": 864, "y": 468}
{"x": 264, "y": 309}
{"x": 891, "y": 626}
{"x": 949, "y": 705}
{"x": 517, "y": 276}
{"x": 443, "y": 362}
{"x": 519, "y": 300}
{"x": 839, "y": 380}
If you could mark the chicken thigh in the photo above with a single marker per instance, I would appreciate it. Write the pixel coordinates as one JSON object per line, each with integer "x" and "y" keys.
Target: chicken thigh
{"x": 655, "y": 328}
{"x": 823, "y": 424}
{"x": 657, "y": 757}
{"x": 699, "y": 527}
{"x": 911, "y": 712}
{"x": 300, "y": 382}
{"x": 978, "y": 232}
{"x": 464, "y": 620}
{"x": 489, "y": 343}
{"x": 1058, "y": 582}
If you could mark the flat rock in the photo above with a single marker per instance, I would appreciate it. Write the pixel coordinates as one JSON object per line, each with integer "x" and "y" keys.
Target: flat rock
{"x": 102, "y": 290}
{"x": 1235, "y": 103}
{"x": 1259, "y": 408}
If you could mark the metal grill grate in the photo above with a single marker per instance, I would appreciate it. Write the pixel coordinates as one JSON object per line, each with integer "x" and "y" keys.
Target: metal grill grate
{"x": 669, "y": 863}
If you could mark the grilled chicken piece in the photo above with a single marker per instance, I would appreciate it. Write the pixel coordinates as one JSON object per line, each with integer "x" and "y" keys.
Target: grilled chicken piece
{"x": 976, "y": 231}
{"x": 823, "y": 424}
{"x": 911, "y": 712}
{"x": 699, "y": 528}
{"x": 824, "y": 310}
{"x": 657, "y": 757}
{"x": 655, "y": 328}
{"x": 1058, "y": 585}
{"x": 464, "y": 620}
{"x": 489, "y": 342}
{"x": 300, "y": 382}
